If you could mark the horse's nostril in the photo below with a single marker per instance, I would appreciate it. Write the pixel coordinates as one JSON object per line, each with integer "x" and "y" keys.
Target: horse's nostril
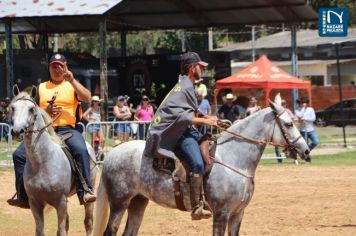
{"x": 307, "y": 152}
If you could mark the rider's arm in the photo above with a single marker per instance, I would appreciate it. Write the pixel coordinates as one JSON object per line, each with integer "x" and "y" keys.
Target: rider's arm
{"x": 207, "y": 120}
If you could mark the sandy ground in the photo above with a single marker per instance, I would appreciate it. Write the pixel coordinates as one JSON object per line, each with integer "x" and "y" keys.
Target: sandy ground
{"x": 289, "y": 200}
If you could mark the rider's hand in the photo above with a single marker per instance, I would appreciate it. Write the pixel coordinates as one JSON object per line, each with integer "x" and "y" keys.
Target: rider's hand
{"x": 67, "y": 74}
{"x": 53, "y": 110}
{"x": 212, "y": 120}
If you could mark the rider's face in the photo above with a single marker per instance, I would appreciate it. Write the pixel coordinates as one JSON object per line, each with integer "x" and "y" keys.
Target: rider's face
{"x": 56, "y": 70}
{"x": 197, "y": 71}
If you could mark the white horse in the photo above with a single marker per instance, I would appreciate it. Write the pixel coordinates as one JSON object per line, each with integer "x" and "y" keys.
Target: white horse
{"x": 47, "y": 175}
{"x": 128, "y": 180}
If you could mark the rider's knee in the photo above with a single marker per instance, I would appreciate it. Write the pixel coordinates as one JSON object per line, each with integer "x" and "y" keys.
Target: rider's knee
{"x": 198, "y": 168}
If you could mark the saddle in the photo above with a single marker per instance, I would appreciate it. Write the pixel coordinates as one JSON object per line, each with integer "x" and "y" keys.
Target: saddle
{"x": 178, "y": 168}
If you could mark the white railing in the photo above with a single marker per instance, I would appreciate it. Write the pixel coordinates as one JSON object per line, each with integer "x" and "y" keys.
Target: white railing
{"x": 5, "y": 145}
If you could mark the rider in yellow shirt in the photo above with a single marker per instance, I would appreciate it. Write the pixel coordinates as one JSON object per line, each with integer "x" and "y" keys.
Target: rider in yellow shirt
{"x": 64, "y": 92}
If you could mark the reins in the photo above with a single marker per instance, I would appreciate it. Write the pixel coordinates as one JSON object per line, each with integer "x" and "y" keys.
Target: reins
{"x": 290, "y": 144}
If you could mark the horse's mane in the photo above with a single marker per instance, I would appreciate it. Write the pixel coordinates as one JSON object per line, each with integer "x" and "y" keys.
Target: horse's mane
{"x": 47, "y": 119}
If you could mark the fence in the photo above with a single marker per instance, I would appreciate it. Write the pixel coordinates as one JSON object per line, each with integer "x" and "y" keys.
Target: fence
{"x": 5, "y": 145}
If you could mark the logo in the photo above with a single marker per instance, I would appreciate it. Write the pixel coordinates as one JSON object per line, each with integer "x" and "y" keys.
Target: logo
{"x": 274, "y": 69}
{"x": 333, "y": 22}
{"x": 254, "y": 69}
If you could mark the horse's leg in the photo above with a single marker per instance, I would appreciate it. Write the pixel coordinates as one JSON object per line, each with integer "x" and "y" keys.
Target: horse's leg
{"x": 62, "y": 215}
{"x": 219, "y": 222}
{"x": 135, "y": 214}
{"x": 88, "y": 220}
{"x": 37, "y": 212}
{"x": 235, "y": 223}
{"x": 117, "y": 210}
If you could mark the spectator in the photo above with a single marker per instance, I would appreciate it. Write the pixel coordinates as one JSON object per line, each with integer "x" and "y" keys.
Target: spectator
{"x": 204, "y": 105}
{"x": 252, "y": 107}
{"x": 122, "y": 113}
{"x": 92, "y": 115}
{"x": 144, "y": 112}
{"x": 4, "y": 110}
{"x": 228, "y": 110}
{"x": 98, "y": 151}
{"x": 306, "y": 117}
{"x": 204, "y": 108}
{"x": 201, "y": 88}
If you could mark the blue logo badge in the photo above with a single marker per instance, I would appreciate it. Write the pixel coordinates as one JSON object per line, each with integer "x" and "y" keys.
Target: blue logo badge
{"x": 333, "y": 22}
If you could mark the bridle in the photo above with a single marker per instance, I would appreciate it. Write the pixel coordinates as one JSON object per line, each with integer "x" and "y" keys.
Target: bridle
{"x": 290, "y": 144}
{"x": 29, "y": 131}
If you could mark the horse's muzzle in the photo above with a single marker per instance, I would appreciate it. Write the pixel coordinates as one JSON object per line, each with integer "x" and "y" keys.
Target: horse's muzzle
{"x": 306, "y": 154}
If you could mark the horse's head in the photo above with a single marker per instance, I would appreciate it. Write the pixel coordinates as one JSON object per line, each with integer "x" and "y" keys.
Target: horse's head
{"x": 23, "y": 111}
{"x": 287, "y": 134}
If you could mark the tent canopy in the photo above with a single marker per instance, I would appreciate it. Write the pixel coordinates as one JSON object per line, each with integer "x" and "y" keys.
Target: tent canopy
{"x": 263, "y": 74}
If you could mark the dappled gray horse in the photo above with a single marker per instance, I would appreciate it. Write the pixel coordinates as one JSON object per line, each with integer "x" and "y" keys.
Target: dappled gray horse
{"x": 47, "y": 175}
{"x": 128, "y": 180}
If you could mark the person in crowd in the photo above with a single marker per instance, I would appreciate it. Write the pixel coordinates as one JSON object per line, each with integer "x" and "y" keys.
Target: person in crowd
{"x": 172, "y": 127}
{"x": 229, "y": 110}
{"x": 290, "y": 113}
{"x": 144, "y": 112}
{"x": 306, "y": 117}
{"x": 252, "y": 106}
{"x": 4, "y": 110}
{"x": 122, "y": 113}
{"x": 204, "y": 108}
{"x": 93, "y": 115}
{"x": 201, "y": 88}
{"x": 204, "y": 105}
{"x": 98, "y": 150}
{"x": 64, "y": 92}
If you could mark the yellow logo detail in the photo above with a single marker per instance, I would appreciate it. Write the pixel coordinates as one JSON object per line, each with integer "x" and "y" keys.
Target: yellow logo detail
{"x": 157, "y": 120}
{"x": 177, "y": 89}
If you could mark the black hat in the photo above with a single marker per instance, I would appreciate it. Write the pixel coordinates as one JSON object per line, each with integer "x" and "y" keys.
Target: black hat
{"x": 57, "y": 58}
{"x": 192, "y": 58}
{"x": 303, "y": 100}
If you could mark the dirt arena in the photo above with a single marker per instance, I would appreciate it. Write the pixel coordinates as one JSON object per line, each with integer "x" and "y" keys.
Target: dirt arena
{"x": 289, "y": 200}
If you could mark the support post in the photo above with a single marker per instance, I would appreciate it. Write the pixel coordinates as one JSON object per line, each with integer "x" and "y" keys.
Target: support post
{"x": 210, "y": 39}
{"x": 123, "y": 43}
{"x": 9, "y": 59}
{"x": 340, "y": 93}
{"x": 103, "y": 69}
{"x": 294, "y": 62}
{"x": 253, "y": 43}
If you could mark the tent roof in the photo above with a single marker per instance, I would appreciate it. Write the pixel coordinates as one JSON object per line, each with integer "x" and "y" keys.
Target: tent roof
{"x": 262, "y": 74}
{"x": 79, "y": 15}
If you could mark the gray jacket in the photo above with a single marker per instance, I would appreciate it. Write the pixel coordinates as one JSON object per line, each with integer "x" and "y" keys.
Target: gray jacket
{"x": 172, "y": 118}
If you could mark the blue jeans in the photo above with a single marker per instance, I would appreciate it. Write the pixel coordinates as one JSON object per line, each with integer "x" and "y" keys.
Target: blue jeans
{"x": 190, "y": 149}
{"x": 312, "y": 136}
{"x": 78, "y": 150}
{"x": 142, "y": 131}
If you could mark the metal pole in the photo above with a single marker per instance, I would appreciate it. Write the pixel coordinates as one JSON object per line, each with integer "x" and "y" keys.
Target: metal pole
{"x": 253, "y": 43}
{"x": 294, "y": 62}
{"x": 210, "y": 35}
{"x": 184, "y": 48}
{"x": 340, "y": 93}
{"x": 103, "y": 68}
{"x": 9, "y": 59}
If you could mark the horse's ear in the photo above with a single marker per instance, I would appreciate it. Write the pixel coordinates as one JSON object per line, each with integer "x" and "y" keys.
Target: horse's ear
{"x": 278, "y": 99}
{"x": 272, "y": 105}
{"x": 15, "y": 90}
{"x": 34, "y": 92}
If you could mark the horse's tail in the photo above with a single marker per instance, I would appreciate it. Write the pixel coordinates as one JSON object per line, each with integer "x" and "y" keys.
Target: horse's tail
{"x": 101, "y": 210}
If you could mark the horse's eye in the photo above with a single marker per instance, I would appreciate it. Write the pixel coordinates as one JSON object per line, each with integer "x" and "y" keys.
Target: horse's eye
{"x": 289, "y": 124}
{"x": 32, "y": 110}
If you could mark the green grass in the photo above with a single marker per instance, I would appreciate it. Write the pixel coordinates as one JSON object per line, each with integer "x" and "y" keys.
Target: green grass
{"x": 340, "y": 159}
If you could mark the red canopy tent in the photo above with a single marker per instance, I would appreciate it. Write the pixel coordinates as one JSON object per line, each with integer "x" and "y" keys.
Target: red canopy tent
{"x": 262, "y": 74}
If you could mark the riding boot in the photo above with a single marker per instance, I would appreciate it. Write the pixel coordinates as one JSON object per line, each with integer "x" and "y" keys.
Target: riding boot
{"x": 198, "y": 211}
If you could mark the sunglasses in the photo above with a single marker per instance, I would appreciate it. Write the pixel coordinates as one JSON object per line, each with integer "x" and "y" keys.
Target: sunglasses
{"x": 145, "y": 99}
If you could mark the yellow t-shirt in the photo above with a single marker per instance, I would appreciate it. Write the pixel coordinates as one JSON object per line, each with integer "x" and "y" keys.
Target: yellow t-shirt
{"x": 65, "y": 98}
